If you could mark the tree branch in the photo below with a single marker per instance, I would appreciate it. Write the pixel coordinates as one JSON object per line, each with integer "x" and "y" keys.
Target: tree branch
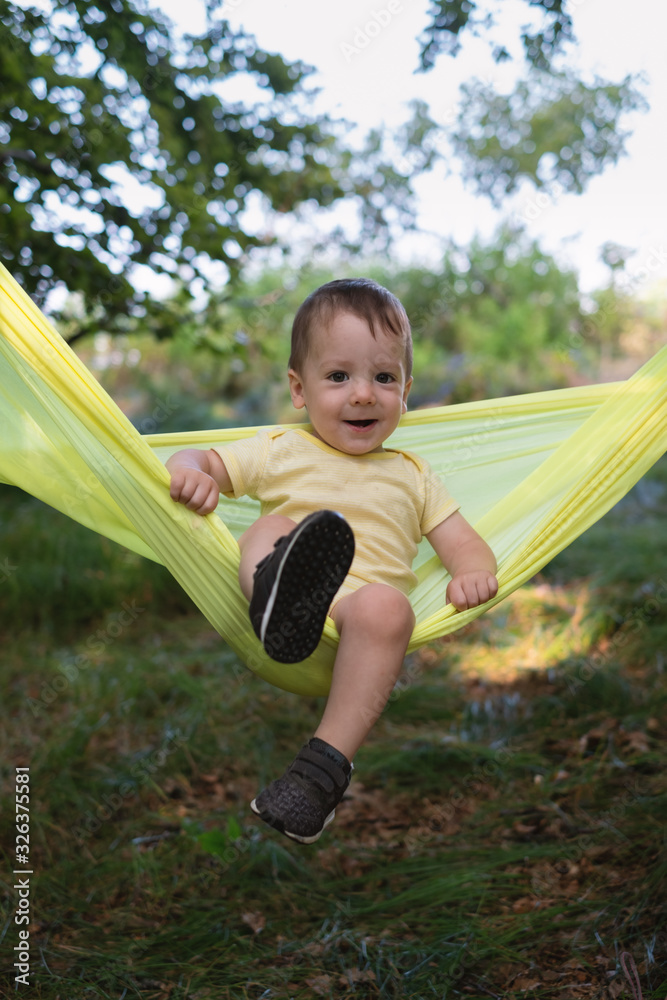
{"x": 28, "y": 156}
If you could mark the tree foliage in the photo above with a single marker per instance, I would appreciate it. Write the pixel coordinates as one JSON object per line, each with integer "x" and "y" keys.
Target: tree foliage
{"x": 503, "y": 314}
{"x": 100, "y": 101}
{"x": 119, "y": 151}
{"x": 498, "y": 316}
{"x": 449, "y": 19}
{"x": 552, "y": 129}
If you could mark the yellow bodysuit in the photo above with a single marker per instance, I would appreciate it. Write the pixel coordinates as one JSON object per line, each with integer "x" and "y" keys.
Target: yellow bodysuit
{"x": 391, "y": 498}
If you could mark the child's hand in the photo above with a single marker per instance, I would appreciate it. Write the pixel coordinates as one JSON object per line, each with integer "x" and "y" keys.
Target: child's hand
{"x": 195, "y": 489}
{"x": 468, "y": 590}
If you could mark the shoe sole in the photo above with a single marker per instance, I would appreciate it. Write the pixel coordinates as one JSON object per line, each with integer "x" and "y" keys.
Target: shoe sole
{"x": 311, "y": 571}
{"x": 293, "y": 836}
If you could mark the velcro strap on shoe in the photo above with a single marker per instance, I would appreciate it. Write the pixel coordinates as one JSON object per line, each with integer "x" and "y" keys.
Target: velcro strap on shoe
{"x": 321, "y": 746}
{"x": 319, "y": 768}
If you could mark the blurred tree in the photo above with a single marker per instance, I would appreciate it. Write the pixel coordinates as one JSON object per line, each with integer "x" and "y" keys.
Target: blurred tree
{"x": 612, "y": 311}
{"x": 497, "y": 316}
{"x": 615, "y": 256}
{"x": 116, "y": 151}
{"x": 503, "y": 313}
{"x": 450, "y": 18}
{"x": 512, "y": 300}
{"x": 551, "y": 130}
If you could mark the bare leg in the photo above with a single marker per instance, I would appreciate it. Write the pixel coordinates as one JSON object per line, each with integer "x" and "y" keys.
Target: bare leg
{"x": 257, "y": 542}
{"x": 375, "y": 624}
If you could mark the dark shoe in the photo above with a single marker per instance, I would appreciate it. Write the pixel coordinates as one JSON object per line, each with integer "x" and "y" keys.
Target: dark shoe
{"x": 295, "y": 584}
{"x": 304, "y": 800}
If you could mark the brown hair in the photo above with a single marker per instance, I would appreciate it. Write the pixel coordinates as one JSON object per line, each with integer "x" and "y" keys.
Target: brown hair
{"x": 362, "y": 297}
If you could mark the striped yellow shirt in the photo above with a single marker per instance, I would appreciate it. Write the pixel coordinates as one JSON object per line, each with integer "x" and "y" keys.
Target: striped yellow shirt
{"x": 391, "y": 498}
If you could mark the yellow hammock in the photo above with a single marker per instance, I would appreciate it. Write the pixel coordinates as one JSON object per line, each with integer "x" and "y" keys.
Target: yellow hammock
{"x": 532, "y": 472}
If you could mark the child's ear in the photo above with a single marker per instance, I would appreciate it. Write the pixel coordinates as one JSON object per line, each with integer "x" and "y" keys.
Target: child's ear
{"x": 408, "y": 386}
{"x": 296, "y": 389}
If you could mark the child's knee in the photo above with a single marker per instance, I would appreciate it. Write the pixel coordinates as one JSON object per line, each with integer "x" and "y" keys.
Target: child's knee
{"x": 384, "y": 608}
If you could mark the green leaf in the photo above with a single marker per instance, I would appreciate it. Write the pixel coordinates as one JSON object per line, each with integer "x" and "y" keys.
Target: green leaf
{"x": 214, "y": 841}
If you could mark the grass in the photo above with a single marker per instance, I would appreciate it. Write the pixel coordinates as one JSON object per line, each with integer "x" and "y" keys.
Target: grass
{"x": 504, "y": 835}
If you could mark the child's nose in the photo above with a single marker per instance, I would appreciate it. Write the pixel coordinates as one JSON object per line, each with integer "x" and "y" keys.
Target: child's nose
{"x": 363, "y": 391}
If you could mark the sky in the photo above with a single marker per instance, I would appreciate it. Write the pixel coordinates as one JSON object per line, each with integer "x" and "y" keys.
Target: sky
{"x": 368, "y": 77}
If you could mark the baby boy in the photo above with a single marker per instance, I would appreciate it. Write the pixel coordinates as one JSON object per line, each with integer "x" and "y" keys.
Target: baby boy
{"x": 341, "y": 518}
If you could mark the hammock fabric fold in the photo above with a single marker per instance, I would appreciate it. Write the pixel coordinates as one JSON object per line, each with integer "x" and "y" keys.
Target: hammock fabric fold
{"x": 532, "y": 472}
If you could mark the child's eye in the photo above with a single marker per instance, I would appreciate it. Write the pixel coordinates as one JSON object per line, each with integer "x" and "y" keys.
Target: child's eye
{"x": 385, "y": 378}
{"x": 337, "y": 377}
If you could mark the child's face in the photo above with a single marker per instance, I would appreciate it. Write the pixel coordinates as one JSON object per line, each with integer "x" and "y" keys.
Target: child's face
{"x": 354, "y": 385}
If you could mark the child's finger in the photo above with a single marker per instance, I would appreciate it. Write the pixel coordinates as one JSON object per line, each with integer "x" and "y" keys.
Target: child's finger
{"x": 470, "y": 595}
{"x": 176, "y": 485}
{"x": 456, "y": 595}
{"x": 199, "y": 498}
{"x": 205, "y": 498}
{"x": 210, "y": 503}
{"x": 471, "y": 591}
{"x": 487, "y": 588}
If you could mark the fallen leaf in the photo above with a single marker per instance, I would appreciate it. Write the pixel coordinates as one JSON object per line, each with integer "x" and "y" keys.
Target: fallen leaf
{"x": 256, "y": 921}
{"x": 523, "y": 829}
{"x": 319, "y": 984}
{"x": 353, "y": 976}
{"x": 526, "y": 983}
{"x": 524, "y": 904}
{"x": 637, "y": 741}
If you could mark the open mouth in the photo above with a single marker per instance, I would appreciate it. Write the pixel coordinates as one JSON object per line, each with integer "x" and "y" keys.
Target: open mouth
{"x": 361, "y": 423}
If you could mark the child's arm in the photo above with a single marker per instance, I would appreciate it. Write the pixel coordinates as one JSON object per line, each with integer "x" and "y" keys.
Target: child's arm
{"x": 468, "y": 559}
{"x": 197, "y": 479}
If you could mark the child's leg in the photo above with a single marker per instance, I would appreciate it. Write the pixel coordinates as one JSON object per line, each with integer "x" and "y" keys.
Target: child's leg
{"x": 375, "y": 624}
{"x": 257, "y": 542}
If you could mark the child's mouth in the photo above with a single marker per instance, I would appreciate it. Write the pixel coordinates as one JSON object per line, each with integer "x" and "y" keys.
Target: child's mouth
{"x": 360, "y": 424}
